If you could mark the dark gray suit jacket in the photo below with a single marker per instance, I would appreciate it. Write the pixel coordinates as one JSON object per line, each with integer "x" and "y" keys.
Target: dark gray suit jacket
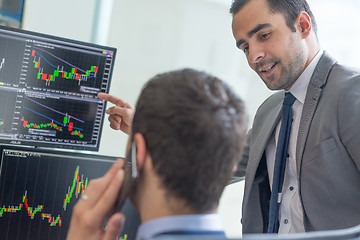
{"x": 327, "y": 152}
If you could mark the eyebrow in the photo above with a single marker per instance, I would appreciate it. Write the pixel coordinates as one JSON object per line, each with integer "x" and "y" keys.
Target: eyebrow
{"x": 252, "y": 32}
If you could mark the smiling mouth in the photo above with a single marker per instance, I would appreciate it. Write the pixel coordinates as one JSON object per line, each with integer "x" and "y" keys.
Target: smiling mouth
{"x": 268, "y": 68}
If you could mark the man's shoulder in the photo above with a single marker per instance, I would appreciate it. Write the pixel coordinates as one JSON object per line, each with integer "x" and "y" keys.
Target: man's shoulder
{"x": 340, "y": 71}
{"x": 343, "y": 79}
{"x": 334, "y": 70}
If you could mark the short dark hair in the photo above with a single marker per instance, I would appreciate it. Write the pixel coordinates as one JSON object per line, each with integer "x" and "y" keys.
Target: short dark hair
{"x": 289, "y": 8}
{"x": 194, "y": 127}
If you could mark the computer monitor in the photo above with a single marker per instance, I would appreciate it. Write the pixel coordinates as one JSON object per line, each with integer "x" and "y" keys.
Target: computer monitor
{"x": 48, "y": 88}
{"x": 38, "y": 189}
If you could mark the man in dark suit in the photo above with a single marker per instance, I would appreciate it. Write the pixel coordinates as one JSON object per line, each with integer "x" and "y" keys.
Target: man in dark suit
{"x": 321, "y": 180}
{"x": 188, "y": 129}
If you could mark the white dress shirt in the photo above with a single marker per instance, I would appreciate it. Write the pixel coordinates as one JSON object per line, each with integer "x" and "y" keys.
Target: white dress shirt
{"x": 291, "y": 212}
{"x": 183, "y": 223}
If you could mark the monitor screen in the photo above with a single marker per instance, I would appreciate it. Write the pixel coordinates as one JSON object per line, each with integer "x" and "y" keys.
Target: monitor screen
{"x": 48, "y": 88}
{"x": 38, "y": 189}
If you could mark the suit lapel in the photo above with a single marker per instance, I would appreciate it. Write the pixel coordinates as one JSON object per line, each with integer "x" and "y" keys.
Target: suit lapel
{"x": 317, "y": 81}
{"x": 258, "y": 147}
{"x": 267, "y": 129}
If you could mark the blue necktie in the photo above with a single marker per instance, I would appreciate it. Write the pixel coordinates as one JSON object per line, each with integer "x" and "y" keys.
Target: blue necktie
{"x": 280, "y": 162}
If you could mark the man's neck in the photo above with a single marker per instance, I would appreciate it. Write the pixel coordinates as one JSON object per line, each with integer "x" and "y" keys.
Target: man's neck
{"x": 313, "y": 47}
{"x": 155, "y": 202}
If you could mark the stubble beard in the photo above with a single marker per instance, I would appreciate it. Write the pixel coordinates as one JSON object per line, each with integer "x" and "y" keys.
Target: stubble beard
{"x": 289, "y": 74}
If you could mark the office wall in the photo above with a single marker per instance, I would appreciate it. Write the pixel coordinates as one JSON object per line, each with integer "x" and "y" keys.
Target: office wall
{"x": 66, "y": 18}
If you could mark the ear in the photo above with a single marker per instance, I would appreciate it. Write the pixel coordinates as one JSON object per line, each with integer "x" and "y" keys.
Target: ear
{"x": 141, "y": 150}
{"x": 303, "y": 23}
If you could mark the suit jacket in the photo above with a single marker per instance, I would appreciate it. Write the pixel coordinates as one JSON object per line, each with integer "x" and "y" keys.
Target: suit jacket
{"x": 327, "y": 152}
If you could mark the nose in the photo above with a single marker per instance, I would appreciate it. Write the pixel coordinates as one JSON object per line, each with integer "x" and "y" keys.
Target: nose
{"x": 256, "y": 53}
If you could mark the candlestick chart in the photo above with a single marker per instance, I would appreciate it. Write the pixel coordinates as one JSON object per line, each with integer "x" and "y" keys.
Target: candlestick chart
{"x": 38, "y": 190}
{"x": 60, "y": 118}
{"x": 64, "y": 69}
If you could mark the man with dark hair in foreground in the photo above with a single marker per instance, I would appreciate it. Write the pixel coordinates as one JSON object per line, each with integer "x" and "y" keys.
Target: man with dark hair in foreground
{"x": 189, "y": 129}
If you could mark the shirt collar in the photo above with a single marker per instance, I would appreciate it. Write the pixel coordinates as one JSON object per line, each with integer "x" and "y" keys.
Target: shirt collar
{"x": 195, "y": 222}
{"x": 301, "y": 84}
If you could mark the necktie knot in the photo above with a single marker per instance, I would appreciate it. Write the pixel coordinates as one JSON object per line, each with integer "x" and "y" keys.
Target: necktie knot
{"x": 289, "y": 99}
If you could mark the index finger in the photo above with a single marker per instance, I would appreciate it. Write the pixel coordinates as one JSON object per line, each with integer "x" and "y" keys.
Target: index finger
{"x": 115, "y": 100}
